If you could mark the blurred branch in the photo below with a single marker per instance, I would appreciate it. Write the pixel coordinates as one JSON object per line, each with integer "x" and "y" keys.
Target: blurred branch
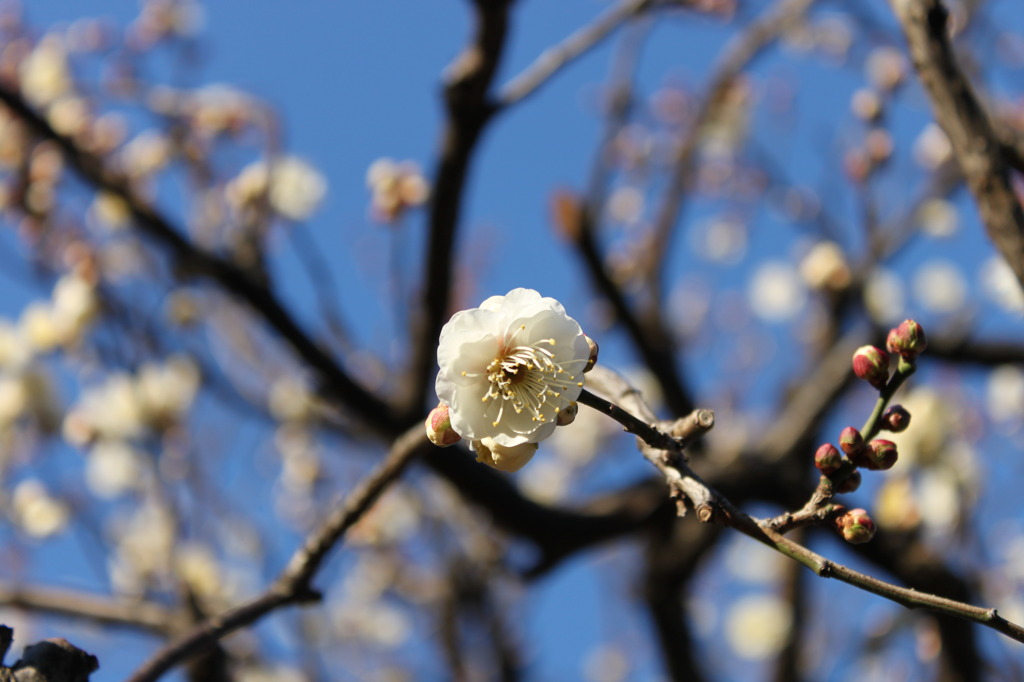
{"x": 192, "y": 260}
{"x": 95, "y": 608}
{"x": 965, "y": 122}
{"x": 293, "y": 585}
{"x": 672, "y": 554}
{"x": 556, "y": 58}
{"x": 469, "y": 109}
{"x": 738, "y": 56}
{"x": 646, "y": 328}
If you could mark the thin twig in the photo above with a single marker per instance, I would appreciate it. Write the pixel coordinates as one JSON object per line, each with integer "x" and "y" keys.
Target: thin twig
{"x": 726, "y": 513}
{"x": 556, "y": 58}
{"x": 293, "y": 585}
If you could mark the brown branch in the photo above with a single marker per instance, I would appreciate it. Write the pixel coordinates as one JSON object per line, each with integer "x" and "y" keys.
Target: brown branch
{"x": 718, "y": 508}
{"x": 556, "y": 58}
{"x": 961, "y": 115}
{"x": 94, "y": 608}
{"x": 293, "y": 585}
{"x": 192, "y": 260}
{"x": 469, "y": 109}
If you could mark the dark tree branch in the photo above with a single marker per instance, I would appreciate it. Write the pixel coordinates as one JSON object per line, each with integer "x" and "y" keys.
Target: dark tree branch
{"x": 469, "y": 109}
{"x": 94, "y": 608}
{"x": 961, "y": 115}
{"x": 192, "y": 260}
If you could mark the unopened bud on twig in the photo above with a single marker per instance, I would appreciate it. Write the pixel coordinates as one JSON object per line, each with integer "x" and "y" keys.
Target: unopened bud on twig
{"x": 871, "y": 364}
{"x": 896, "y": 419}
{"x": 567, "y": 415}
{"x": 881, "y": 454}
{"x": 501, "y": 457}
{"x": 593, "y": 354}
{"x": 856, "y": 526}
{"x": 439, "y": 428}
{"x": 850, "y": 440}
{"x": 828, "y": 459}
{"x": 907, "y": 339}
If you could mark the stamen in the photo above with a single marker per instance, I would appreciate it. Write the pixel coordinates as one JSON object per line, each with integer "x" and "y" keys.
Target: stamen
{"x": 524, "y": 377}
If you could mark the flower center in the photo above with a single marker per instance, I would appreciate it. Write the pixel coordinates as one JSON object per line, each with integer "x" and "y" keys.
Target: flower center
{"x": 526, "y": 378}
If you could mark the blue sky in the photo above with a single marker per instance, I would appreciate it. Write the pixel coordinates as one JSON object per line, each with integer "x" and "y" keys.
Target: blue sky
{"x": 356, "y": 81}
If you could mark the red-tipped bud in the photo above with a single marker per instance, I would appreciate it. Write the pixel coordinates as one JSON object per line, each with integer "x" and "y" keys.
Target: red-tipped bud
{"x": 567, "y": 415}
{"x": 828, "y": 459}
{"x": 850, "y": 441}
{"x": 850, "y": 483}
{"x": 593, "y": 354}
{"x": 856, "y": 526}
{"x": 871, "y": 364}
{"x": 439, "y": 428}
{"x": 881, "y": 454}
{"x": 907, "y": 339}
{"x": 896, "y": 419}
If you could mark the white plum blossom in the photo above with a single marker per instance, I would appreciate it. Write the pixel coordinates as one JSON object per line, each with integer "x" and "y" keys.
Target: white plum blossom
{"x": 507, "y": 369}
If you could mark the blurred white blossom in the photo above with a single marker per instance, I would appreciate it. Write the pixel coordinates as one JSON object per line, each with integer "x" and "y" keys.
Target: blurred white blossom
{"x": 293, "y": 188}
{"x": 1005, "y": 393}
{"x": 938, "y": 217}
{"x": 775, "y": 292}
{"x": 166, "y": 390}
{"x": 37, "y": 512}
{"x": 825, "y": 267}
{"x": 394, "y": 188}
{"x": 884, "y": 296}
{"x": 932, "y": 148}
{"x": 758, "y": 626}
{"x": 45, "y": 74}
{"x": 1000, "y": 284}
{"x": 940, "y": 286}
{"x": 112, "y": 468}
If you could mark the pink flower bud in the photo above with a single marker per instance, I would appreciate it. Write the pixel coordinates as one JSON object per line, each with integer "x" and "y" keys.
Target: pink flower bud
{"x": 850, "y": 483}
{"x": 896, "y": 419}
{"x": 439, "y": 428}
{"x": 593, "y": 354}
{"x": 882, "y": 454}
{"x": 907, "y": 339}
{"x": 856, "y": 526}
{"x": 567, "y": 415}
{"x": 850, "y": 440}
{"x": 828, "y": 459}
{"x": 871, "y": 364}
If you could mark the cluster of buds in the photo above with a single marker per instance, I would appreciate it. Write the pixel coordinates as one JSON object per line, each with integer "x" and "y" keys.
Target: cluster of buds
{"x": 871, "y": 363}
{"x": 841, "y": 465}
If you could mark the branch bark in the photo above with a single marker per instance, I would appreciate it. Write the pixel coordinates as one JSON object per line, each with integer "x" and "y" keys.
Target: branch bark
{"x": 959, "y": 112}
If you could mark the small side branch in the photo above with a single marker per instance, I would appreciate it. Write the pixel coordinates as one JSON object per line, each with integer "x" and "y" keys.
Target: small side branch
{"x": 293, "y": 585}
{"x": 556, "y": 58}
